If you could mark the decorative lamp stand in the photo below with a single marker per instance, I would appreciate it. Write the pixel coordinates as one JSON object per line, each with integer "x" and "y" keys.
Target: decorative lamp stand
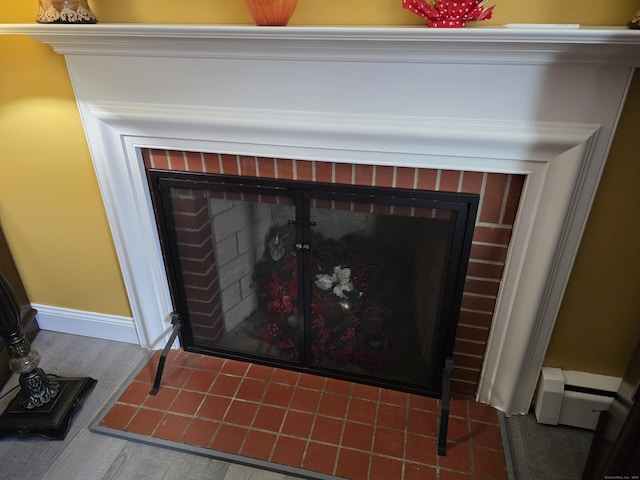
{"x": 635, "y": 21}
{"x": 65, "y": 11}
{"x": 44, "y": 405}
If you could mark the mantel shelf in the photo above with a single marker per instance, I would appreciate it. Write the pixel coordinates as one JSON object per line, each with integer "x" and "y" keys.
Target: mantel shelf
{"x": 599, "y": 45}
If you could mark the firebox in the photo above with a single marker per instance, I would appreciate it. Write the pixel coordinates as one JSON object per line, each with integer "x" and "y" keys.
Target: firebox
{"x": 356, "y": 283}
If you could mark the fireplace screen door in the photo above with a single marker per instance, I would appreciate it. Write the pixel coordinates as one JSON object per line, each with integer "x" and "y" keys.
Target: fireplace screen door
{"x": 350, "y": 282}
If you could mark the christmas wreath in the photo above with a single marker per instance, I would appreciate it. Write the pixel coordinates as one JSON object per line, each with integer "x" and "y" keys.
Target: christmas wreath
{"x": 352, "y": 282}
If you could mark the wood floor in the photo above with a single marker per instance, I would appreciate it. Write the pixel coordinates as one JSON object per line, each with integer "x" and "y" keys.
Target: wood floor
{"x": 85, "y": 455}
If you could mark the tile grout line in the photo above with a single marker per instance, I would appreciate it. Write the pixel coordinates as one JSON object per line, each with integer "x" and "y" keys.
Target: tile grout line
{"x": 375, "y": 430}
{"x": 284, "y": 418}
{"x": 471, "y": 456}
{"x": 259, "y": 403}
{"x": 204, "y": 397}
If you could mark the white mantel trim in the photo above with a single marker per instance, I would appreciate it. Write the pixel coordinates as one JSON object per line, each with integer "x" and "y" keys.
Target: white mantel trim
{"x": 484, "y": 45}
{"x": 564, "y": 153}
{"x": 307, "y": 133}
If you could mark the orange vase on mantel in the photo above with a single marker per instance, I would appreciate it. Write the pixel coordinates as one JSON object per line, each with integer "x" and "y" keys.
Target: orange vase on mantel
{"x": 271, "y": 12}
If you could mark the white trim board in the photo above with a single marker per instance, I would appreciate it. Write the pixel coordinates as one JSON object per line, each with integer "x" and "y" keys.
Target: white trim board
{"x": 87, "y": 324}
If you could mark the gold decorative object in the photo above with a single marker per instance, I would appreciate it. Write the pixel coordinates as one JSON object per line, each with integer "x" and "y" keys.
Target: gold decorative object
{"x": 271, "y": 12}
{"x": 635, "y": 21}
{"x": 65, "y": 11}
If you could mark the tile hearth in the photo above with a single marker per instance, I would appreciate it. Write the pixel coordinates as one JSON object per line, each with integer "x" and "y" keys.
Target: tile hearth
{"x": 307, "y": 422}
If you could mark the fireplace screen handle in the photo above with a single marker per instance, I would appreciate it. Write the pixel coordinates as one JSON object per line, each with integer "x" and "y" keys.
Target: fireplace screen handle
{"x": 304, "y": 223}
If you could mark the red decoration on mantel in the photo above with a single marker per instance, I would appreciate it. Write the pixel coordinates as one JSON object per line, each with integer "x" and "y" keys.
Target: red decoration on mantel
{"x": 449, "y": 13}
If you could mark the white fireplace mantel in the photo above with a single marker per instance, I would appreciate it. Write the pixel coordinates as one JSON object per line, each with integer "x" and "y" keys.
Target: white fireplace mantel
{"x": 538, "y": 102}
{"x": 601, "y": 45}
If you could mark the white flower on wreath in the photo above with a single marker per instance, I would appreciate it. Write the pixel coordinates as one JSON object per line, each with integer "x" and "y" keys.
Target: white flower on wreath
{"x": 339, "y": 281}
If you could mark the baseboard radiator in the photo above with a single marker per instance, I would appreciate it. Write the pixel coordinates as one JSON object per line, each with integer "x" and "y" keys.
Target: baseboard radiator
{"x": 573, "y": 398}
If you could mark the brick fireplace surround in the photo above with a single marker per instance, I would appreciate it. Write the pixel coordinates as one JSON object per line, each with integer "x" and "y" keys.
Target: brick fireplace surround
{"x": 464, "y": 106}
{"x": 500, "y": 195}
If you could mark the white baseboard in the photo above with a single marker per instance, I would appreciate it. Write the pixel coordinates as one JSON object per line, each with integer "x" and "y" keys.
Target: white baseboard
{"x": 87, "y": 324}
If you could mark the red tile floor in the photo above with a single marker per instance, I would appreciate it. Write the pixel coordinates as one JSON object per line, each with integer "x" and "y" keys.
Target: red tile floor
{"x": 305, "y": 421}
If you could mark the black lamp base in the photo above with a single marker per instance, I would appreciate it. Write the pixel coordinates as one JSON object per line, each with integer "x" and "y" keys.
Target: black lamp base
{"x": 51, "y": 420}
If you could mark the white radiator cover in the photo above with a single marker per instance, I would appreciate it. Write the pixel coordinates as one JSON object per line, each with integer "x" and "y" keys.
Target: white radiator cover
{"x": 558, "y": 402}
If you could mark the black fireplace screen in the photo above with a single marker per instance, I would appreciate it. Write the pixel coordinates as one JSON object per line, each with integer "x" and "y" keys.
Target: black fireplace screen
{"x": 359, "y": 283}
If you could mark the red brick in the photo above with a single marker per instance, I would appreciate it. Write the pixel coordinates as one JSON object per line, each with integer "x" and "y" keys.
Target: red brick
{"x": 488, "y": 253}
{"x": 468, "y": 361}
{"x": 469, "y": 348}
{"x": 364, "y": 175}
{"x": 229, "y": 164}
{"x": 472, "y": 333}
{"x": 468, "y": 375}
{"x": 304, "y": 170}
{"x": 427, "y": 179}
{"x": 197, "y": 265}
{"x": 513, "y": 199}
{"x": 466, "y": 388}
{"x": 343, "y": 173}
{"x": 484, "y": 304}
{"x": 324, "y": 172}
{"x": 472, "y": 182}
{"x": 194, "y": 162}
{"x": 494, "y": 194}
{"x": 147, "y": 157}
{"x": 405, "y": 177}
{"x": 384, "y": 176}
{"x": 485, "y": 270}
{"x": 176, "y": 160}
{"x": 449, "y": 180}
{"x": 248, "y": 166}
{"x": 498, "y": 236}
{"x": 483, "y": 287}
{"x": 194, "y": 236}
{"x": 193, "y": 221}
{"x": 212, "y": 163}
{"x": 266, "y": 167}
{"x": 285, "y": 168}
{"x": 475, "y": 319}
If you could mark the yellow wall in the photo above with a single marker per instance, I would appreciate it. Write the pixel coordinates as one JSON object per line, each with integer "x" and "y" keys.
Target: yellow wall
{"x": 52, "y": 214}
{"x": 599, "y": 322}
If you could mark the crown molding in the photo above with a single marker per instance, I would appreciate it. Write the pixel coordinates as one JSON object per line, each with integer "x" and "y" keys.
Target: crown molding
{"x": 485, "y": 45}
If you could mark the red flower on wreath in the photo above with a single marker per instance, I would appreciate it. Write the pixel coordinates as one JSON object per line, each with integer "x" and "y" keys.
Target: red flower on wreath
{"x": 283, "y": 293}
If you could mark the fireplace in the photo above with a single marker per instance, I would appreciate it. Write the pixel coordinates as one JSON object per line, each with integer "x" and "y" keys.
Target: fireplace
{"x": 499, "y": 196}
{"x": 360, "y": 283}
{"x": 537, "y": 106}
